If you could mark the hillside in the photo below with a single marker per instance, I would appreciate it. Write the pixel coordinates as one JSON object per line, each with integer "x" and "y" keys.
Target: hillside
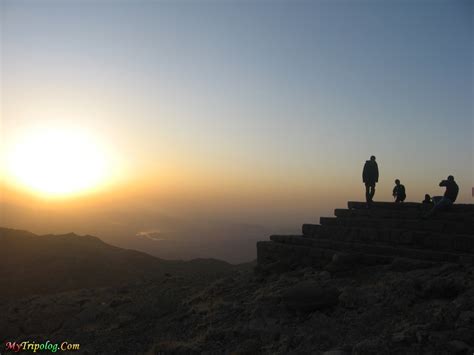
{"x": 33, "y": 264}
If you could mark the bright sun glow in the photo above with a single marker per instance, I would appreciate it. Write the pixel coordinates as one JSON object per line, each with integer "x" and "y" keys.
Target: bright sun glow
{"x": 57, "y": 162}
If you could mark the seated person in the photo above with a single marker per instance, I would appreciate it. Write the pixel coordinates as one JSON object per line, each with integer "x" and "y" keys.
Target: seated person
{"x": 450, "y": 195}
{"x": 399, "y": 192}
{"x": 427, "y": 199}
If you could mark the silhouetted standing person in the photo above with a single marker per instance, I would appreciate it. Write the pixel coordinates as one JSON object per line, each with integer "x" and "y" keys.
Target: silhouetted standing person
{"x": 399, "y": 192}
{"x": 370, "y": 176}
{"x": 450, "y": 195}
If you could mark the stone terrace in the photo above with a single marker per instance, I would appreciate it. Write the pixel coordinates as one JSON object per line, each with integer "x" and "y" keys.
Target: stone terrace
{"x": 378, "y": 235}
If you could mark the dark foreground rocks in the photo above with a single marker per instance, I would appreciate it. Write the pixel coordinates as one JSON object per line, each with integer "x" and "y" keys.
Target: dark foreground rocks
{"x": 374, "y": 310}
{"x": 424, "y": 309}
{"x": 310, "y": 296}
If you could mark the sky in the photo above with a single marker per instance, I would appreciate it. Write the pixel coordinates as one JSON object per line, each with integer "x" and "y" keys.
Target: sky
{"x": 235, "y": 117}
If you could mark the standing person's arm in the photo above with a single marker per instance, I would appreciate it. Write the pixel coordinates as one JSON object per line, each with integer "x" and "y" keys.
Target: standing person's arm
{"x": 364, "y": 173}
{"x": 376, "y": 172}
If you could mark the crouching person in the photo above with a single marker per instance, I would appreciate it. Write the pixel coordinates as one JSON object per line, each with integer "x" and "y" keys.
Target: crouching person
{"x": 445, "y": 202}
{"x": 399, "y": 192}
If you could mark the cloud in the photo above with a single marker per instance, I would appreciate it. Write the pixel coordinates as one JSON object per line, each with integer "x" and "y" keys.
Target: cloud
{"x": 153, "y": 235}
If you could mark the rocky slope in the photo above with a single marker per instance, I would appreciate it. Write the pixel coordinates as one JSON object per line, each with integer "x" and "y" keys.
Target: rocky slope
{"x": 32, "y": 264}
{"x": 401, "y": 307}
{"x": 405, "y": 307}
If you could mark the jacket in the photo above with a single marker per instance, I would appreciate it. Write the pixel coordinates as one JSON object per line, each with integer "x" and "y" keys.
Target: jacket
{"x": 370, "y": 174}
{"x": 399, "y": 191}
{"x": 452, "y": 189}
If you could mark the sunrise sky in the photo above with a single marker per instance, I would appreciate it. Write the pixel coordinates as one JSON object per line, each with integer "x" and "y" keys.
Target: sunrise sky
{"x": 237, "y": 114}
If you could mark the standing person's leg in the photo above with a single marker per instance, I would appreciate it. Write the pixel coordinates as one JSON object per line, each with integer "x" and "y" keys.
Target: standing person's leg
{"x": 372, "y": 192}
{"x": 367, "y": 192}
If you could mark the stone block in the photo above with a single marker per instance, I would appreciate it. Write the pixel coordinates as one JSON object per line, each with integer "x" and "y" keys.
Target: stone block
{"x": 310, "y": 230}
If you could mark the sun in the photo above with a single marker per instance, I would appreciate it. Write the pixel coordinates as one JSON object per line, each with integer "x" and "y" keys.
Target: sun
{"x": 57, "y": 162}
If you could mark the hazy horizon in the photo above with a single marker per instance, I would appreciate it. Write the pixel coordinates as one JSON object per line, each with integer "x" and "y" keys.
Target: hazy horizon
{"x": 194, "y": 129}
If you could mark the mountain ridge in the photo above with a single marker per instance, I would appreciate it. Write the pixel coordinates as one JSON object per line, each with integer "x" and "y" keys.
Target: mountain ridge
{"x": 42, "y": 264}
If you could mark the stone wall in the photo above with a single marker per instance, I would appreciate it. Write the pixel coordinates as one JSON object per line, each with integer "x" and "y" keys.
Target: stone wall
{"x": 384, "y": 232}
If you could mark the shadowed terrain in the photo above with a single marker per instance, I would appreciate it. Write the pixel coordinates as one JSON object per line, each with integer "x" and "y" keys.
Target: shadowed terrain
{"x": 34, "y": 264}
{"x": 399, "y": 297}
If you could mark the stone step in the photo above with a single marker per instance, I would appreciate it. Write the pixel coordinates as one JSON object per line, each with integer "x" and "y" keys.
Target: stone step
{"x": 401, "y": 214}
{"x": 310, "y": 230}
{"x": 407, "y": 206}
{"x": 372, "y": 249}
{"x": 288, "y": 254}
{"x": 454, "y": 227}
{"x": 397, "y": 237}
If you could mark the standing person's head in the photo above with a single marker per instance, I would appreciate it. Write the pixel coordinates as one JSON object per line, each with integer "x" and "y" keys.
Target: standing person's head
{"x": 450, "y": 178}
{"x": 372, "y": 158}
{"x": 397, "y": 182}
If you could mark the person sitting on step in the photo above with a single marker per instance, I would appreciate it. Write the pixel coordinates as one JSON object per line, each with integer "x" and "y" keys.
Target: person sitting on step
{"x": 445, "y": 202}
{"x": 427, "y": 200}
{"x": 399, "y": 192}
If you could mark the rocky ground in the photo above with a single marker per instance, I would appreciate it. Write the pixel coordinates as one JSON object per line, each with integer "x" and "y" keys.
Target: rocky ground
{"x": 107, "y": 320}
{"x": 402, "y": 308}
{"x": 406, "y": 307}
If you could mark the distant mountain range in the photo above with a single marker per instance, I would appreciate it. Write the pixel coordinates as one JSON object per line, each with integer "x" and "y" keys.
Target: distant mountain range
{"x": 33, "y": 264}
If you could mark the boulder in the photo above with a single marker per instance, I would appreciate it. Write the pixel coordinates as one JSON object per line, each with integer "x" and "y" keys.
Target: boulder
{"x": 465, "y": 319}
{"x": 277, "y": 267}
{"x": 249, "y": 346}
{"x": 336, "y": 352}
{"x": 405, "y": 265}
{"x": 343, "y": 262}
{"x": 310, "y": 296}
{"x": 355, "y": 297}
{"x": 370, "y": 347}
{"x": 443, "y": 287}
{"x": 458, "y": 347}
